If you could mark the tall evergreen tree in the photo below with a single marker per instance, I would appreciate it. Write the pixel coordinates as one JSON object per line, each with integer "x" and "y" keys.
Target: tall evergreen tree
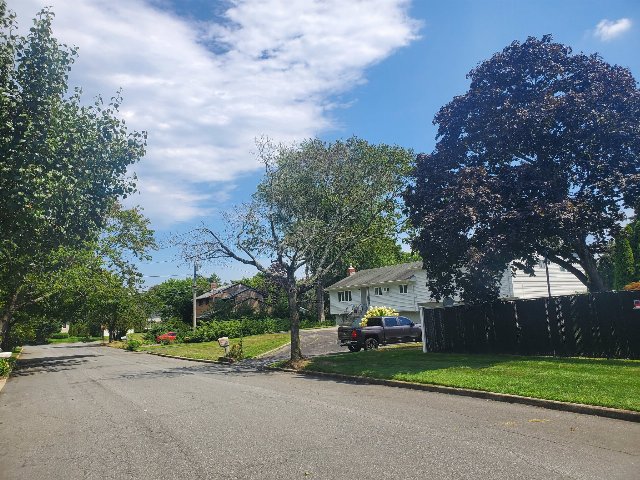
{"x": 623, "y": 261}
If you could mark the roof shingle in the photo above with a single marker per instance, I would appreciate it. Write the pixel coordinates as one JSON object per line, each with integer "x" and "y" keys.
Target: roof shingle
{"x": 378, "y": 276}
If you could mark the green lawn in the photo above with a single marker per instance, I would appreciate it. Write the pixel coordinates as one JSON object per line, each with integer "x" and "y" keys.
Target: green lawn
{"x": 609, "y": 383}
{"x": 73, "y": 339}
{"x": 253, "y": 346}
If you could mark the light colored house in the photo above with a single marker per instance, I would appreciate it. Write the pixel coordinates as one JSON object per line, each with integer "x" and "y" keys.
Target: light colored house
{"x": 403, "y": 287}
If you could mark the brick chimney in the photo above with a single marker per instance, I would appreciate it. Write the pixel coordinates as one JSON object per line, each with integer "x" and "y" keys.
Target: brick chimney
{"x": 351, "y": 270}
{"x": 214, "y": 285}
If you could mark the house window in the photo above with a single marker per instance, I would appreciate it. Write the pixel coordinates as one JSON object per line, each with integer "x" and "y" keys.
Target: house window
{"x": 344, "y": 296}
{"x": 377, "y": 291}
{"x": 404, "y": 288}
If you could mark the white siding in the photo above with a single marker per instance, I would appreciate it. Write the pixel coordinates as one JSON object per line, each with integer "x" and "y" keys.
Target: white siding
{"x": 519, "y": 286}
{"x": 340, "y": 308}
{"x": 561, "y": 281}
{"x": 405, "y": 302}
{"x": 506, "y": 285}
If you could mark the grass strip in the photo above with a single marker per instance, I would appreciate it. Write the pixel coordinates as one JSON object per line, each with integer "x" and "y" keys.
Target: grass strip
{"x": 253, "y": 346}
{"x": 591, "y": 381}
{"x": 74, "y": 339}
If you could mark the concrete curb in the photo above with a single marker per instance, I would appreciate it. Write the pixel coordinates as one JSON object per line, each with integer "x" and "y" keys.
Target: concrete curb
{"x": 201, "y": 360}
{"x": 627, "y": 415}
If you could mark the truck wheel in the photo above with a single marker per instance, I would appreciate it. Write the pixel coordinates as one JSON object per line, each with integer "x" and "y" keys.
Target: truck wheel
{"x": 371, "y": 344}
{"x": 353, "y": 348}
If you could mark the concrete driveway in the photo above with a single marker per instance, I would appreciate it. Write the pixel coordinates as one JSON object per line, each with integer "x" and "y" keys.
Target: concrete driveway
{"x": 320, "y": 341}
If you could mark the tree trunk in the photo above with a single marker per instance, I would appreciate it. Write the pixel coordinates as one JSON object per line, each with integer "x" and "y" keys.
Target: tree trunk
{"x": 320, "y": 300}
{"x": 5, "y": 321}
{"x": 294, "y": 317}
{"x": 588, "y": 262}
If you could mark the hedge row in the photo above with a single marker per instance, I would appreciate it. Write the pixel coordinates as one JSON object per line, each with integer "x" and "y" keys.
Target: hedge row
{"x": 211, "y": 331}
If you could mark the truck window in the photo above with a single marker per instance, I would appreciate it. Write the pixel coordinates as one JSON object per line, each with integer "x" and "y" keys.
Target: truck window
{"x": 391, "y": 322}
{"x": 404, "y": 321}
{"x": 374, "y": 322}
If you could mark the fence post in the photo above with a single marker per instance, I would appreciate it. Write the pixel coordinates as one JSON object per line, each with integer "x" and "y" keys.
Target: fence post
{"x": 424, "y": 330}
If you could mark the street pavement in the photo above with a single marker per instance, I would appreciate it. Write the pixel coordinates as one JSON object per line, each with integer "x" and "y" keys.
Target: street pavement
{"x": 90, "y": 412}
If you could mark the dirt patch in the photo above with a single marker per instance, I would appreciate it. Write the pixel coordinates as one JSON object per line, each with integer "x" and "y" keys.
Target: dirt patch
{"x": 296, "y": 364}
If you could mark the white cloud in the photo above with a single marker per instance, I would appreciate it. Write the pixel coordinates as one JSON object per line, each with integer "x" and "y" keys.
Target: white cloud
{"x": 204, "y": 91}
{"x": 609, "y": 29}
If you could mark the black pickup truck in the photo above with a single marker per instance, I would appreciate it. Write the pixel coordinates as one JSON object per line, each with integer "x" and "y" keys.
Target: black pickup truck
{"x": 379, "y": 331}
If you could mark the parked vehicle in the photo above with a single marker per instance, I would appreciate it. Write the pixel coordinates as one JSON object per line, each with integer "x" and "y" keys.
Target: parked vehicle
{"x": 379, "y": 331}
{"x": 166, "y": 337}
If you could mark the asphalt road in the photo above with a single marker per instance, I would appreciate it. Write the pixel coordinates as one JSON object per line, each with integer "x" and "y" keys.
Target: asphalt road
{"x": 91, "y": 412}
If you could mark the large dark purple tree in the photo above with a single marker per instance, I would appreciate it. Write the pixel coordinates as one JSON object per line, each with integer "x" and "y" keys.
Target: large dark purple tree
{"x": 540, "y": 157}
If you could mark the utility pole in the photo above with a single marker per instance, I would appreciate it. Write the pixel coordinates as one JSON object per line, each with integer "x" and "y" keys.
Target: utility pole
{"x": 195, "y": 268}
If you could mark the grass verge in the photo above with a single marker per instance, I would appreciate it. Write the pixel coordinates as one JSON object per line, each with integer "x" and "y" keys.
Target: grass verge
{"x": 591, "y": 381}
{"x": 253, "y": 346}
{"x": 73, "y": 339}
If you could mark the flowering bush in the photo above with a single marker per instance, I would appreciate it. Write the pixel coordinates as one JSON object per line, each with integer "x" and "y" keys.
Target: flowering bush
{"x": 377, "y": 312}
{"x": 633, "y": 286}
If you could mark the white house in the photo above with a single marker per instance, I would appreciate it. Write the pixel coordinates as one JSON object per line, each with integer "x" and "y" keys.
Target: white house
{"x": 403, "y": 287}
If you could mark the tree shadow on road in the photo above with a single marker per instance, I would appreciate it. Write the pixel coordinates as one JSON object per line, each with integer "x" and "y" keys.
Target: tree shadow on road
{"x": 240, "y": 369}
{"x": 26, "y": 367}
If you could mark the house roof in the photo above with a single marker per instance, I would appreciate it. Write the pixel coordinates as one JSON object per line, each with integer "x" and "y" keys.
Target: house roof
{"x": 240, "y": 287}
{"x": 378, "y": 276}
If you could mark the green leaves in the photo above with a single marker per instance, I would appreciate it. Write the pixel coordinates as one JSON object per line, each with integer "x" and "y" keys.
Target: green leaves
{"x": 539, "y": 157}
{"x": 63, "y": 165}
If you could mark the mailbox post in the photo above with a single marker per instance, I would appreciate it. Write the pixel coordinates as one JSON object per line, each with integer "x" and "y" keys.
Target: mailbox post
{"x": 224, "y": 343}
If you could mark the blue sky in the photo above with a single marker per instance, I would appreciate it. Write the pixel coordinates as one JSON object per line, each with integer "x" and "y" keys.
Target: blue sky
{"x": 205, "y": 78}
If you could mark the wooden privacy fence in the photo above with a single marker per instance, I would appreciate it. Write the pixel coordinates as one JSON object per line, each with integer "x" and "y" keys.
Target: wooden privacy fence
{"x": 591, "y": 325}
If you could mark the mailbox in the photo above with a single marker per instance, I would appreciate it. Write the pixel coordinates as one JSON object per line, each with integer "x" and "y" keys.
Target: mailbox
{"x": 223, "y": 342}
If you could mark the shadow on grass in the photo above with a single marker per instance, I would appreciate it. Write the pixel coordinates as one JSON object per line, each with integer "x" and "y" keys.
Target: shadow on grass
{"x": 413, "y": 361}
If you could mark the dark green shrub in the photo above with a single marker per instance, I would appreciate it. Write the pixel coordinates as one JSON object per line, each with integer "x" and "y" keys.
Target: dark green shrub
{"x": 79, "y": 329}
{"x": 59, "y": 335}
{"x": 212, "y": 330}
{"x": 235, "y": 352}
{"x": 133, "y": 345}
{"x": 6, "y": 365}
{"x": 32, "y": 329}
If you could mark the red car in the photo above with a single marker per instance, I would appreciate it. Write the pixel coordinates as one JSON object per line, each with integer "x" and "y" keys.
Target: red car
{"x": 166, "y": 337}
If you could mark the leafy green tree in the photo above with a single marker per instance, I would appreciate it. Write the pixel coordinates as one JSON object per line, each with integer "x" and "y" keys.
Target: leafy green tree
{"x": 539, "y": 157}
{"x": 114, "y": 305}
{"x": 62, "y": 164}
{"x": 315, "y": 202}
{"x": 275, "y": 297}
{"x": 623, "y": 262}
{"x": 173, "y": 298}
{"x": 77, "y": 276}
